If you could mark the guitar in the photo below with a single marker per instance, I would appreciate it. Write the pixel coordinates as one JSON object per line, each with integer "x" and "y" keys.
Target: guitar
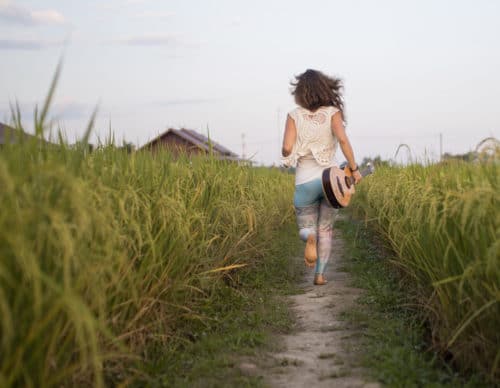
{"x": 338, "y": 184}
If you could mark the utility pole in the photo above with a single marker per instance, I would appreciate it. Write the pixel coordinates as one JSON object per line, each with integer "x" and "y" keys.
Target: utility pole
{"x": 243, "y": 146}
{"x": 278, "y": 127}
{"x": 440, "y": 147}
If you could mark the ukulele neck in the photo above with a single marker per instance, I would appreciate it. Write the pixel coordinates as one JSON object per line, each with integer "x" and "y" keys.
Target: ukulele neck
{"x": 364, "y": 172}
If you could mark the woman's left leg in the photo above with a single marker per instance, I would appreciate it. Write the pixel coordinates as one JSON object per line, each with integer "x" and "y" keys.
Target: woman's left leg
{"x": 325, "y": 235}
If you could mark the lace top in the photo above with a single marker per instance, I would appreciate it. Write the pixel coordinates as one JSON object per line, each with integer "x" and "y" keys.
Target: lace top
{"x": 314, "y": 136}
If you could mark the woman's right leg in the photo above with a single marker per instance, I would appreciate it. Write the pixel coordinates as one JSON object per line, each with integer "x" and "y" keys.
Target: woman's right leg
{"x": 307, "y": 217}
{"x": 307, "y": 220}
{"x": 307, "y": 211}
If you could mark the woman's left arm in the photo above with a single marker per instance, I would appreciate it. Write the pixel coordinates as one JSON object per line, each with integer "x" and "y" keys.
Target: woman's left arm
{"x": 289, "y": 137}
{"x": 338, "y": 131}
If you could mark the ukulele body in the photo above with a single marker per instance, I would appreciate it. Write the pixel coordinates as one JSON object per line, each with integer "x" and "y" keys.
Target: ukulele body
{"x": 338, "y": 186}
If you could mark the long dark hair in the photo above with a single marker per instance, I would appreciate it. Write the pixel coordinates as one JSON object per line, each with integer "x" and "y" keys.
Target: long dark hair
{"x": 313, "y": 89}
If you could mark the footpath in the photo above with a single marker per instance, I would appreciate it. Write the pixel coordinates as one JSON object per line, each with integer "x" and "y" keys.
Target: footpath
{"x": 322, "y": 350}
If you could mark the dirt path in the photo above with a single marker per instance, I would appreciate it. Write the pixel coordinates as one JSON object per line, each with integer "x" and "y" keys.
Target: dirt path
{"x": 322, "y": 351}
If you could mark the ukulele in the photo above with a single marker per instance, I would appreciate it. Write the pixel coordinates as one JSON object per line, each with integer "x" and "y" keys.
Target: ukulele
{"x": 338, "y": 184}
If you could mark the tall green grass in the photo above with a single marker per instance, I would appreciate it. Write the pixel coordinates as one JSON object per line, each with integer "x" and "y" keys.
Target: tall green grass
{"x": 443, "y": 221}
{"x": 104, "y": 254}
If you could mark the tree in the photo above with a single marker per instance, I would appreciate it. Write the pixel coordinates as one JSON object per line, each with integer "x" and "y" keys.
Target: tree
{"x": 376, "y": 161}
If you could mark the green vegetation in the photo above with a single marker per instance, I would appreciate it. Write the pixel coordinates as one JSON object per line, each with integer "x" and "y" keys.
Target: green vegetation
{"x": 443, "y": 224}
{"x": 244, "y": 321}
{"x": 396, "y": 348}
{"x": 110, "y": 259}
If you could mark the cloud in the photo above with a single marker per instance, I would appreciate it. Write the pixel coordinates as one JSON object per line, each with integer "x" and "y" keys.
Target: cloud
{"x": 148, "y": 40}
{"x": 48, "y": 17}
{"x": 27, "y": 44}
{"x": 16, "y": 14}
{"x": 61, "y": 110}
{"x": 131, "y": 9}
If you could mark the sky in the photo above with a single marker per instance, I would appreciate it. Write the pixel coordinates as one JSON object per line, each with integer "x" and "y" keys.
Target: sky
{"x": 413, "y": 70}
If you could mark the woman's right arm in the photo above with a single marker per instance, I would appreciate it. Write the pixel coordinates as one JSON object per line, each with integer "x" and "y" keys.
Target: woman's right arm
{"x": 289, "y": 137}
{"x": 338, "y": 130}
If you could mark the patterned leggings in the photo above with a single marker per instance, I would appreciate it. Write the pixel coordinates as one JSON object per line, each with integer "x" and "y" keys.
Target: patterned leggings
{"x": 315, "y": 215}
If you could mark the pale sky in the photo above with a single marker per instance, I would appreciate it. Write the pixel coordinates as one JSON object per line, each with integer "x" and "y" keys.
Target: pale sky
{"x": 412, "y": 69}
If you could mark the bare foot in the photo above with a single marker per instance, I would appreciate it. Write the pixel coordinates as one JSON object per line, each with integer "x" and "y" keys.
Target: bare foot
{"x": 310, "y": 253}
{"x": 319, "y": 279}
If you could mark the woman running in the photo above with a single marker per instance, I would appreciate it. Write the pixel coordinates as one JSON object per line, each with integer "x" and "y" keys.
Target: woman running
{"x": 313, "y": 131}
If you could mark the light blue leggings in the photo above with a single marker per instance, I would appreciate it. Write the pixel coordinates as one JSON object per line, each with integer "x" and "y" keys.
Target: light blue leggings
{"x": 315, "y": 215}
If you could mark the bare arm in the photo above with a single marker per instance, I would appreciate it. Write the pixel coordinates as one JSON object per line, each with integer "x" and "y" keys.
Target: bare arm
{"x": 289, "y": 137}
{"x": 338, "y": 130}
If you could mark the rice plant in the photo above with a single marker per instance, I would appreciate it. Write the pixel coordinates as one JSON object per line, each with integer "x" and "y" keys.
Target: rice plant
{"x": 104, "y": 253}
{"x": 443, "y": 222}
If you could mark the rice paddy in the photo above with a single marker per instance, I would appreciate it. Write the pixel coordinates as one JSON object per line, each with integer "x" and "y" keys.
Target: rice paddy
{"x": 105, "y": 253}
{"x": 443, "y": 222}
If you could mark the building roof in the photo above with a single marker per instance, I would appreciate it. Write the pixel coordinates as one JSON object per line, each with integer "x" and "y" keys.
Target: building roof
{"x": 13, "y": 135}
{"x": 9, "y": 134}
{"x": 4, "y": 129}
{"x": 198, "y": 140}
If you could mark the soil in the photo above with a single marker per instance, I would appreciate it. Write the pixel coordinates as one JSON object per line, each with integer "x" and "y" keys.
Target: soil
{"x": 322, "y": 350}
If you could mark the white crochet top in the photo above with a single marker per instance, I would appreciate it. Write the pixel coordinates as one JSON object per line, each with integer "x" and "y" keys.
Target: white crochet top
{"x": 315, "y": 144}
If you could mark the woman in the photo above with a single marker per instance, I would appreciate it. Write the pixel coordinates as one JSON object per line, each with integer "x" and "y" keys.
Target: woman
{"x": 312, "y": 133}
